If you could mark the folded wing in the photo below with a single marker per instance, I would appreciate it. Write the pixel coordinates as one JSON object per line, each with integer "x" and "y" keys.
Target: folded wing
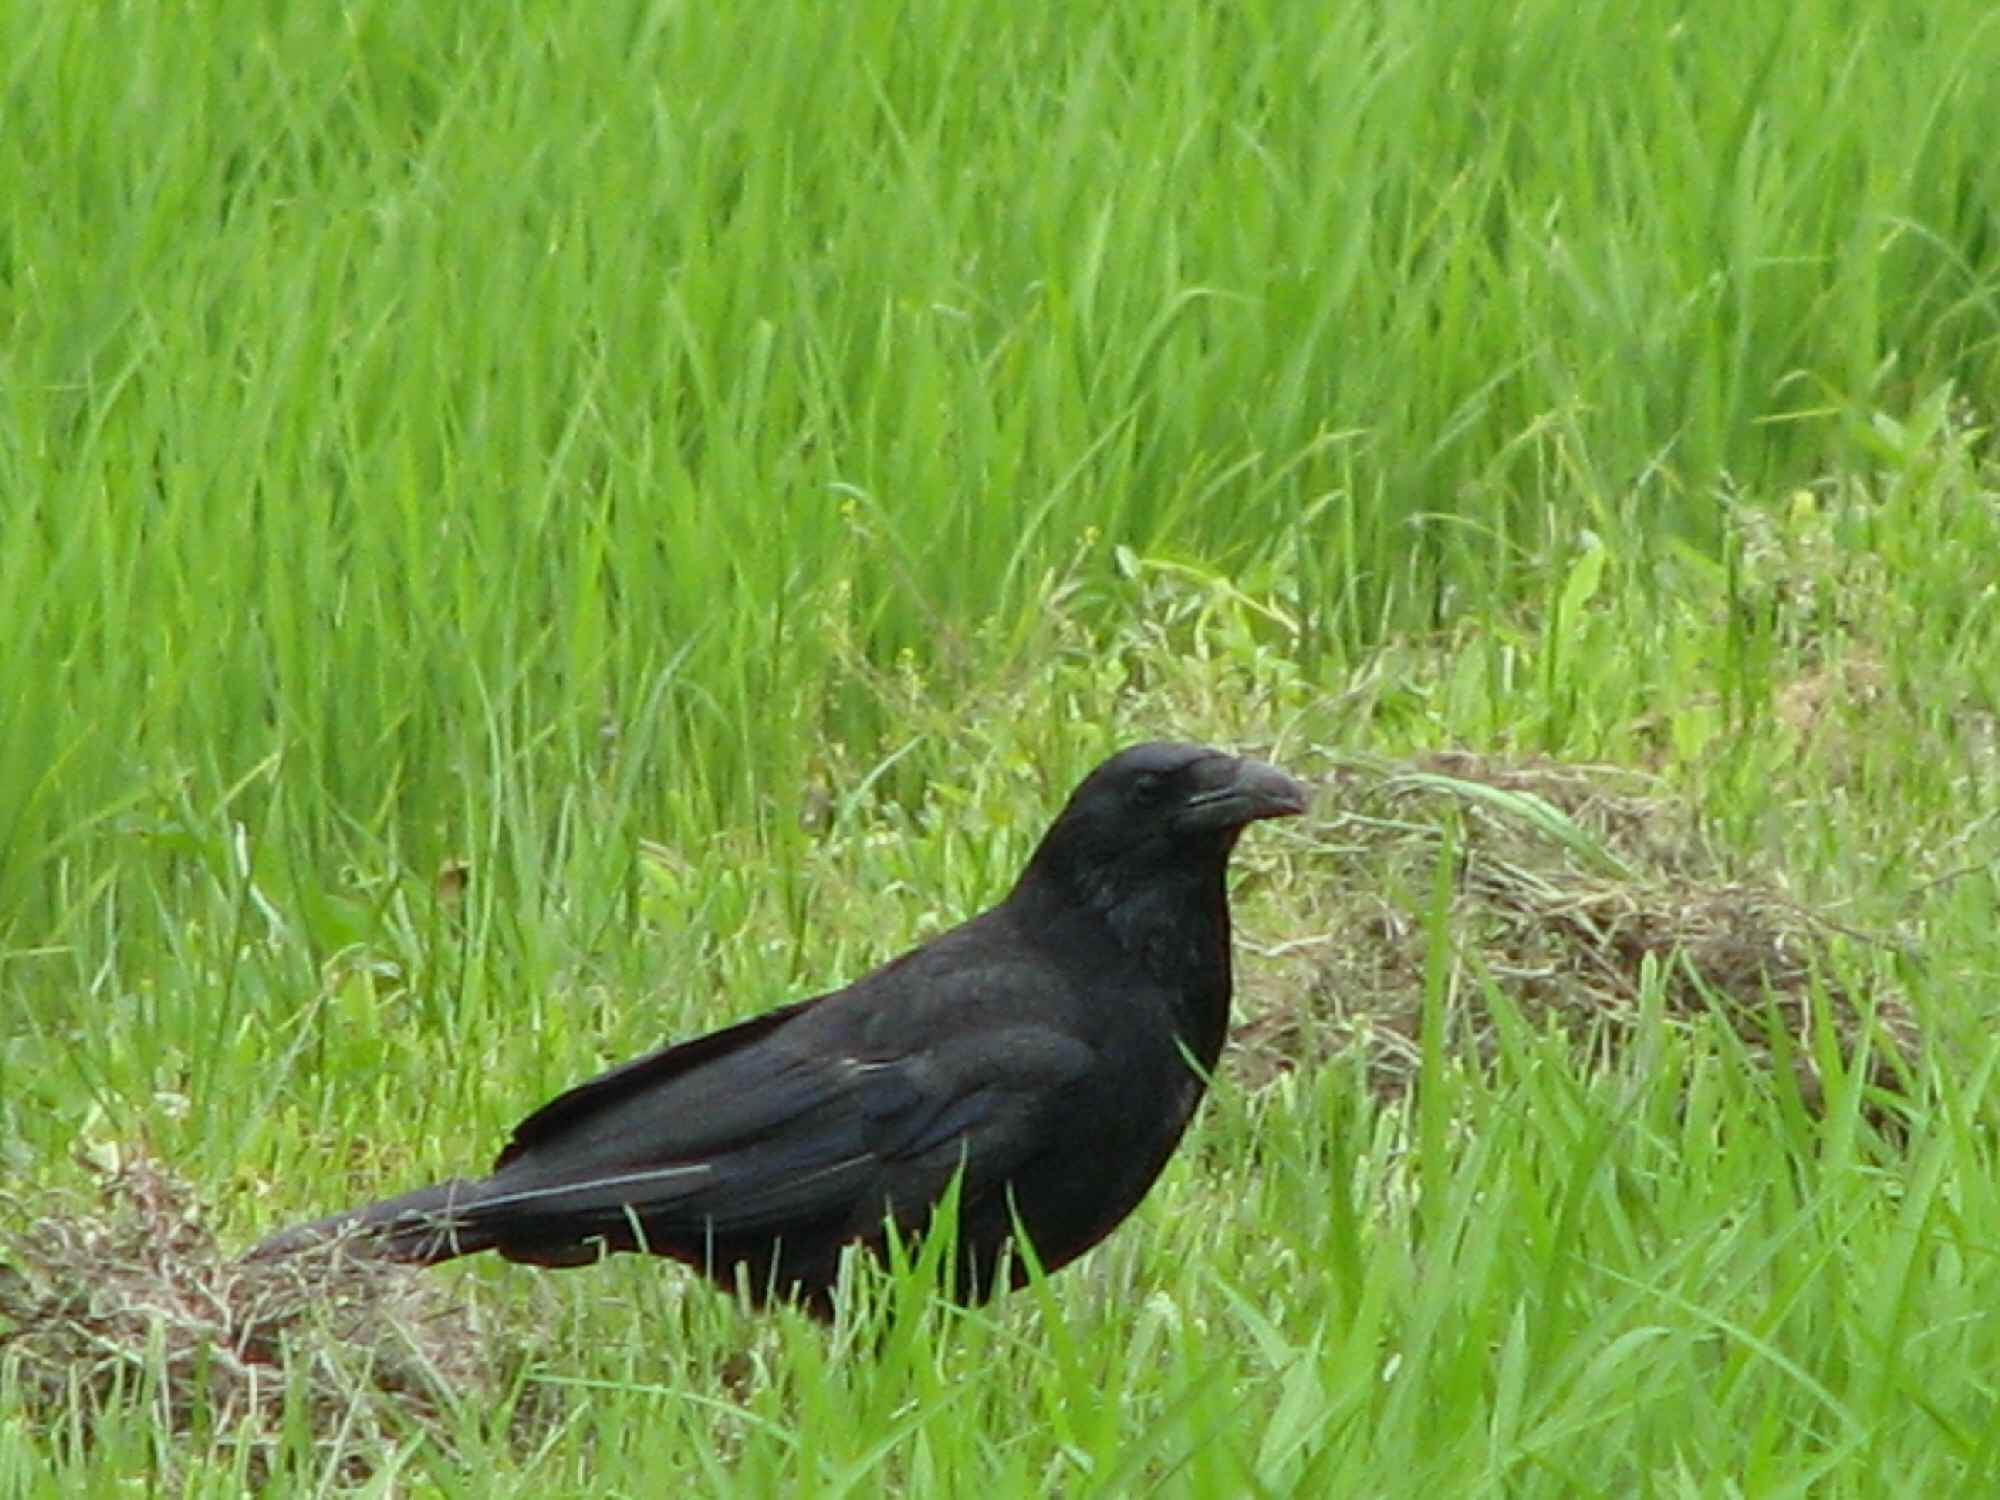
{"x": 769, "y": 1144}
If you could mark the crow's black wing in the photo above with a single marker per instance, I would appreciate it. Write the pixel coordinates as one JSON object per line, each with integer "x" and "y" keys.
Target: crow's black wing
{"x": 783, "y": 1126}
{"x": 609, "y": 1095}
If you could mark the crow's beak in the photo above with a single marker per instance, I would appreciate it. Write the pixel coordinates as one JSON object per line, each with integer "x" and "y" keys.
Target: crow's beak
{"x": 1239, "y": 792}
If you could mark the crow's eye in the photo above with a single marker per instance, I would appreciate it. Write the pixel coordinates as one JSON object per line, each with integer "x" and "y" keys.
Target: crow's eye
{"x": 1148, "y": 787}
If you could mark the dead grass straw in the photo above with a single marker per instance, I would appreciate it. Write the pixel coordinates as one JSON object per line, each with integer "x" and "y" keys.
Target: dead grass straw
{"x": 1576, "y": 888}
{"x": 128, "y": 1301}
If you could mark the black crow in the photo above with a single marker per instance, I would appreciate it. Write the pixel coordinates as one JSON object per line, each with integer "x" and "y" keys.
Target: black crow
{"x": 1049, "y": 1052}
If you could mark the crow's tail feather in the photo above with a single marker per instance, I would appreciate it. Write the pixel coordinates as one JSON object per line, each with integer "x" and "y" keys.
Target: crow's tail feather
{"x": 420, "y": 1228}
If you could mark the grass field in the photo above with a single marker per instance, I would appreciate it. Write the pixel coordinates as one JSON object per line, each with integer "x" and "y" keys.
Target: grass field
{"x": 529, "y": 531}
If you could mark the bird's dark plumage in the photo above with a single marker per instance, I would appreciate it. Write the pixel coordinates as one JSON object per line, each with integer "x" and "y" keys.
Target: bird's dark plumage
{"x": 1052, "y": 1049}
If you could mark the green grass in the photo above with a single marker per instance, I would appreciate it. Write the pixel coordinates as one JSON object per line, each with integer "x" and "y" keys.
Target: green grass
{"x": 723, "y": 472}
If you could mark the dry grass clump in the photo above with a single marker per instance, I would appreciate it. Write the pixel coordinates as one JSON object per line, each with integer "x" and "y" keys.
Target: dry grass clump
{"x": 128, "y": 1302}
{"x": 1576, "y": 889}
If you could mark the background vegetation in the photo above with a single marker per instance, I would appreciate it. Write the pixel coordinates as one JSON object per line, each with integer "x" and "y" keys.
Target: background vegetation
{"x": 526, "y": 531}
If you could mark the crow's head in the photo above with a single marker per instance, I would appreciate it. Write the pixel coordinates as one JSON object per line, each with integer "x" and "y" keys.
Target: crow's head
{"x": 1160, "y": 815}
